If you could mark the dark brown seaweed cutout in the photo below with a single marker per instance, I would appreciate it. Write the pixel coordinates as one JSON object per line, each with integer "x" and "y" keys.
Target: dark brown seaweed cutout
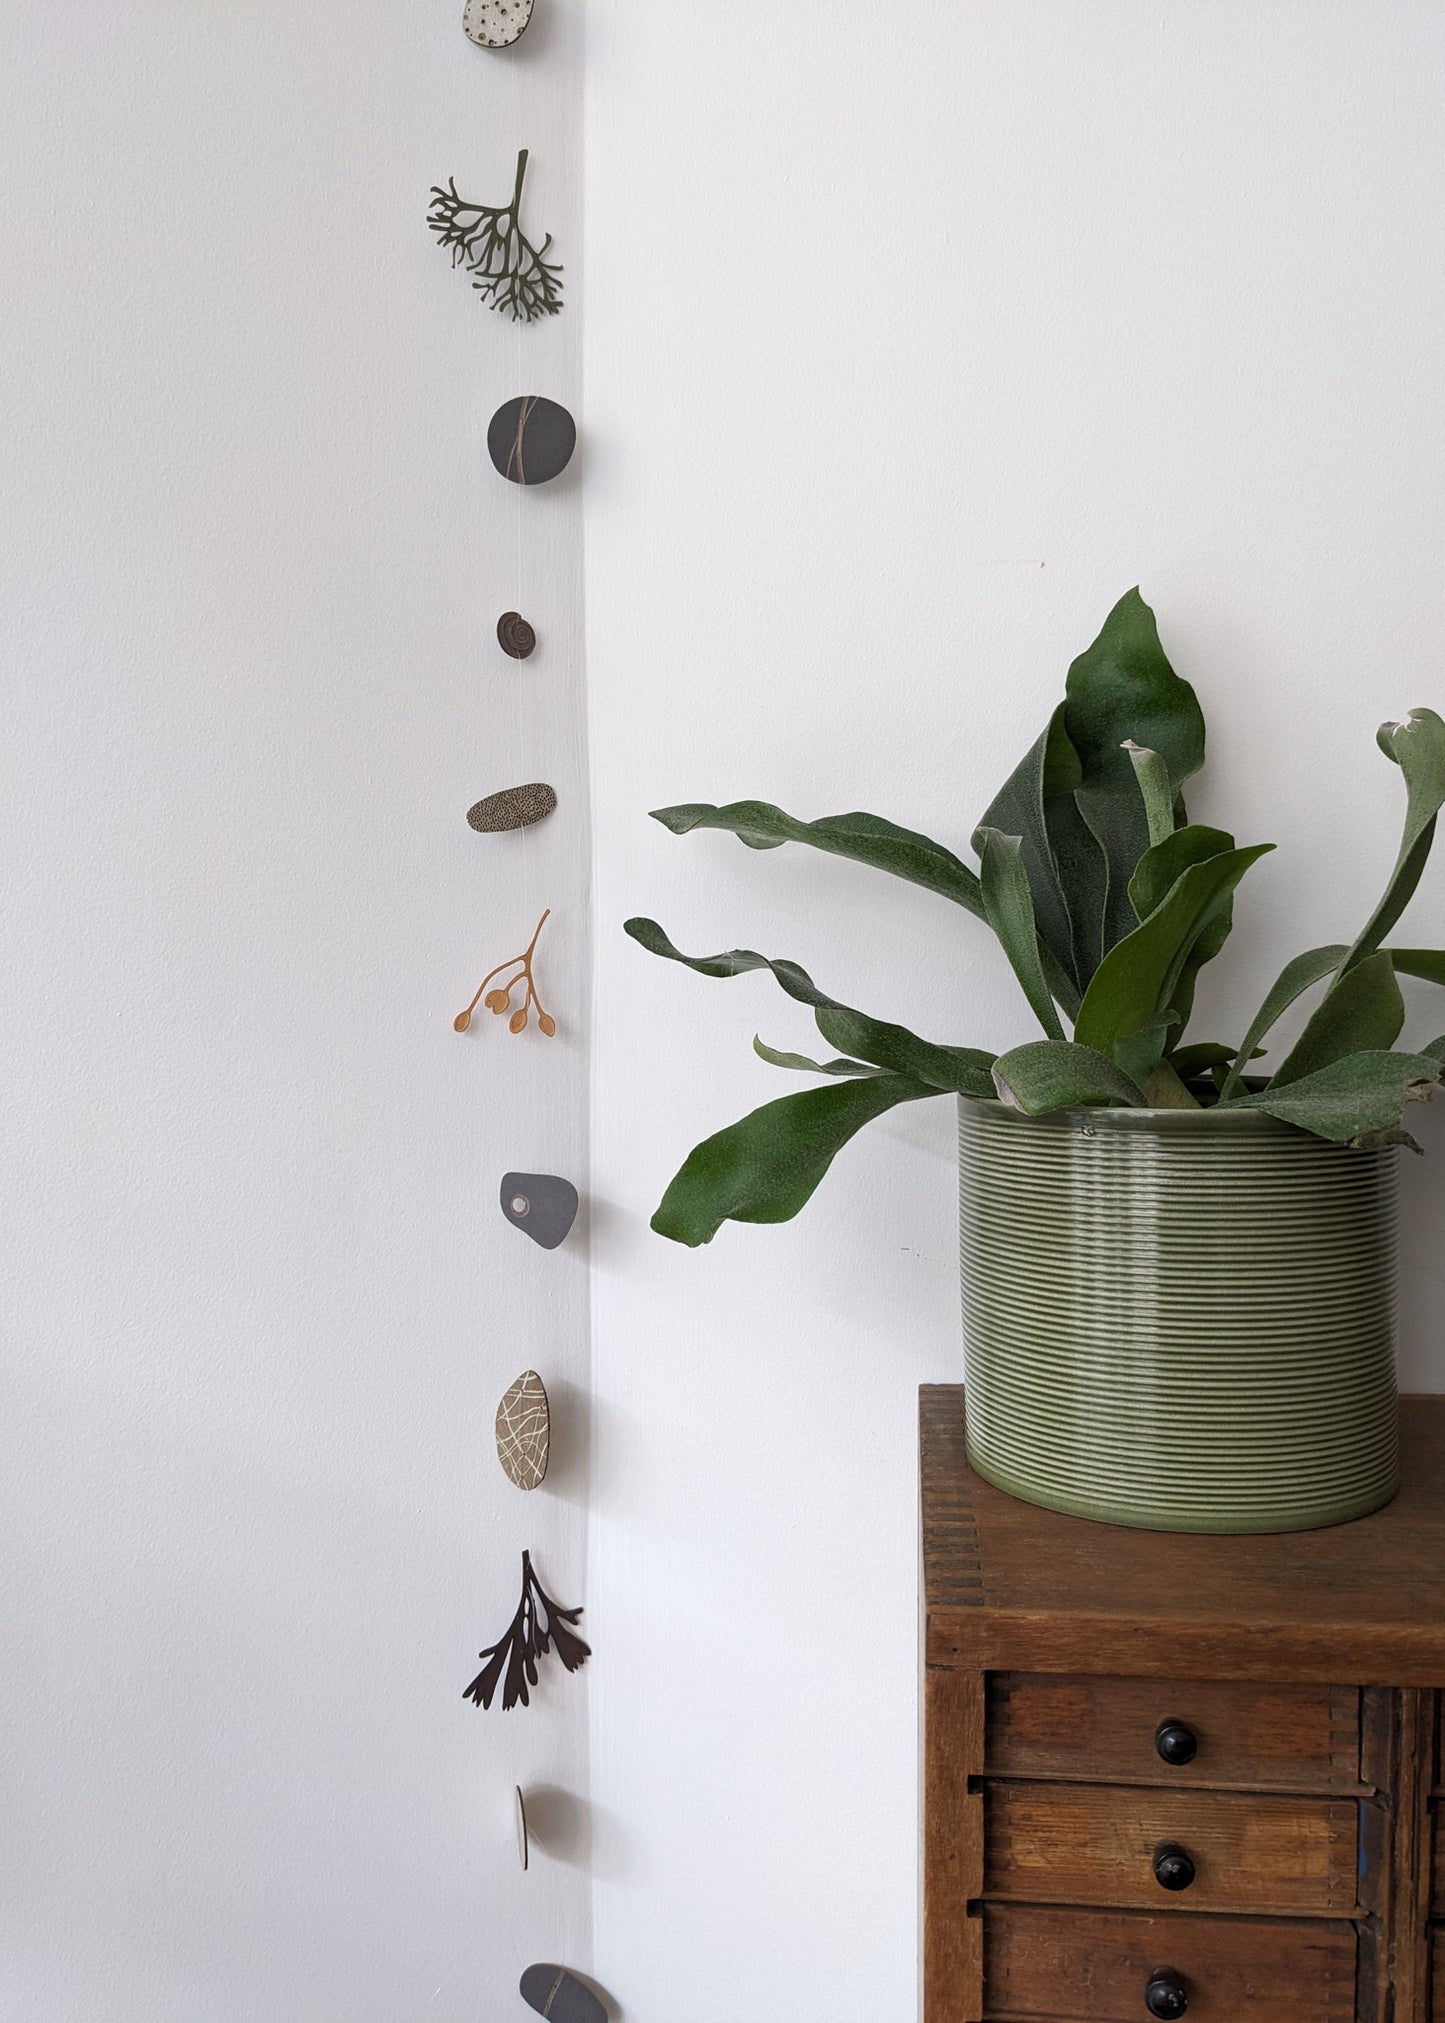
{"x": 527, "y": 1640}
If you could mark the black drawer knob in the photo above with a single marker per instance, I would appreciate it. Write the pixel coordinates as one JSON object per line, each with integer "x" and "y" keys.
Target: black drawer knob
{"x": 1176, "y": 1743}
{"x": 1173, "y": 1870}
{"x": 1165, "y": 1994}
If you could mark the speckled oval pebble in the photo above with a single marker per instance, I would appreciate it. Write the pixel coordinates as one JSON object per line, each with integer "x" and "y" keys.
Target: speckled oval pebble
{"x": 556, "y": 1994}
{"x": 495, "y": 24}
{"x": 515, "y": 636}
{"x": 512, "y": 808}
{"x": 531, "y": 439}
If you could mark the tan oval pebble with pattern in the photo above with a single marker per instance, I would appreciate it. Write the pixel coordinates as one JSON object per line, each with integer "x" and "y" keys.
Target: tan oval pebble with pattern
{"x": 524, "y": 1431}
{"x": 495, "y": 24}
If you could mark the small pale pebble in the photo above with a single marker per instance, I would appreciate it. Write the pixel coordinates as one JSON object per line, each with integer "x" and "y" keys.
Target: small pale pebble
{"x": 494, "y": 24}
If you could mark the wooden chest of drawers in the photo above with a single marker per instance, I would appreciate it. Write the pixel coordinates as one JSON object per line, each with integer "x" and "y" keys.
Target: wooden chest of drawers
{"x": 1168, "y": 1775}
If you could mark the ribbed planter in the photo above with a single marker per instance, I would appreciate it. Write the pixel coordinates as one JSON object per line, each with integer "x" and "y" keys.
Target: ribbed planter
{"x": 1178, "y": 1319}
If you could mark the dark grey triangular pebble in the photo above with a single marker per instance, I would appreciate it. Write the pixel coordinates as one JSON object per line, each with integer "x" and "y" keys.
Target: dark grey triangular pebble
{"x": 555, "y": 1993}
{"x": 544, "y": 1205}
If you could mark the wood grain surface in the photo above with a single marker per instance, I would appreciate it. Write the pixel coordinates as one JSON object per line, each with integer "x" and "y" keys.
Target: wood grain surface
{"x": 1094, "y": 1844}
{"x": 1094, "y": 1965}
{"x": 1010, "y": 1585}
{"x": 1249, "y": 1735}
{"x": 952, "y": 1950}
{"x": 1405, "y": 1902}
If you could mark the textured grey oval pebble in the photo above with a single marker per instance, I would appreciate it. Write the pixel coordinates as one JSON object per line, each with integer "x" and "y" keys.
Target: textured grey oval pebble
{"x": 531, "y": 439}
{"x": 496, "y": 24}
{"x": 512, "y": 808}
{"x": 524, "y": 1431}
{"x": 555, "y": 1993}
{"x": 543, "y": 1205}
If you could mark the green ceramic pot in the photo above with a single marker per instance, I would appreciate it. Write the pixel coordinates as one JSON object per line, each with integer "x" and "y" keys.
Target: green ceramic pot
{"x": 1178, "y": 1319}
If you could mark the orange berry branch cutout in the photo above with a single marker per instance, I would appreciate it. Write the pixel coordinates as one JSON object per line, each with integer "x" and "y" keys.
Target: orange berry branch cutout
{"x": 500, "y": 999}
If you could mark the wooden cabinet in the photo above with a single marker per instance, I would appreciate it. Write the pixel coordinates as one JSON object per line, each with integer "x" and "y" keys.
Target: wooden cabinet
{"x": 1150, "y": 1850}
{"x": 1093, "y": 1965}
{"x": 1174, "y": 1733}
{"x": 1168, "y": 1775}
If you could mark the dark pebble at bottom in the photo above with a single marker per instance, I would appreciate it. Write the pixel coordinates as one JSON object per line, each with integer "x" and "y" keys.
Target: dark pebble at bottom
{"x": 555, "y": 1993}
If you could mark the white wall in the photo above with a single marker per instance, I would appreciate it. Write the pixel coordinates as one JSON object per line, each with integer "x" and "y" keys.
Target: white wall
{"x": 915, "y": 336}
{"x": 260, "y": 1301}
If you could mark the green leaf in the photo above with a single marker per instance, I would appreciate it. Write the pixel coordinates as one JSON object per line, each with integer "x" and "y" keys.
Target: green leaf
{"x": 1164, "y": 863}
{"x": 1436, "y": 1049}
{"x": 1155, "y": 788}
{"x": 1123, "y": 689}
{"x": 1156, "y": 872}
{"x": 1293, "y": 981}
{"x": 1083, "y": 873}
{"x": 765, "y": 1167}
{"x": 1010, "y": 908}
{"x": 1036, "y": 795}
{"x": 1138, "y": 977}
{"x": 1417, "y": 747}
{"x": 1361, "y": 1094}
{"x": 1139, "y": 1053}
{"x": 1073, "y": 800}
{"x": 864, "y": 839}
{"x": 1198, "y": 1060}
{"x": 1055, "y": 1075}
{"x": 1428, "y": 963}
{"x": 1165, "y": 1091}
{"x": 1362, "y": 1012}
{"x": 962, "y": 1069}
{"x": 804, "y": 1066}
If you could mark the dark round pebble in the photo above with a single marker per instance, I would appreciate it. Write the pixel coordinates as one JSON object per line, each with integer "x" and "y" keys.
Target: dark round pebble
{"x": 531, "y": 439}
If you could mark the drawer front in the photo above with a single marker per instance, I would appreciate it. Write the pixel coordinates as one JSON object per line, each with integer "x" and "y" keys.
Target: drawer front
{"x": 1303, "y": 1738}
{"x": 1077, "y": 1844}
{"x": 1437, "y": 1894}
{"x": 1095, "y": 1965}
{"x": 1437, "y": 1975}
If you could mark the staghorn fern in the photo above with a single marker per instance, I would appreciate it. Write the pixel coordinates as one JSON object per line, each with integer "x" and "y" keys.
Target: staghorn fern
{"x": 1107, "y": 902}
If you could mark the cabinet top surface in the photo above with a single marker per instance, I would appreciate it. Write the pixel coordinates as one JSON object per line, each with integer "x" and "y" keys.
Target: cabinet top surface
{"x": 1005, "y": 1582}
